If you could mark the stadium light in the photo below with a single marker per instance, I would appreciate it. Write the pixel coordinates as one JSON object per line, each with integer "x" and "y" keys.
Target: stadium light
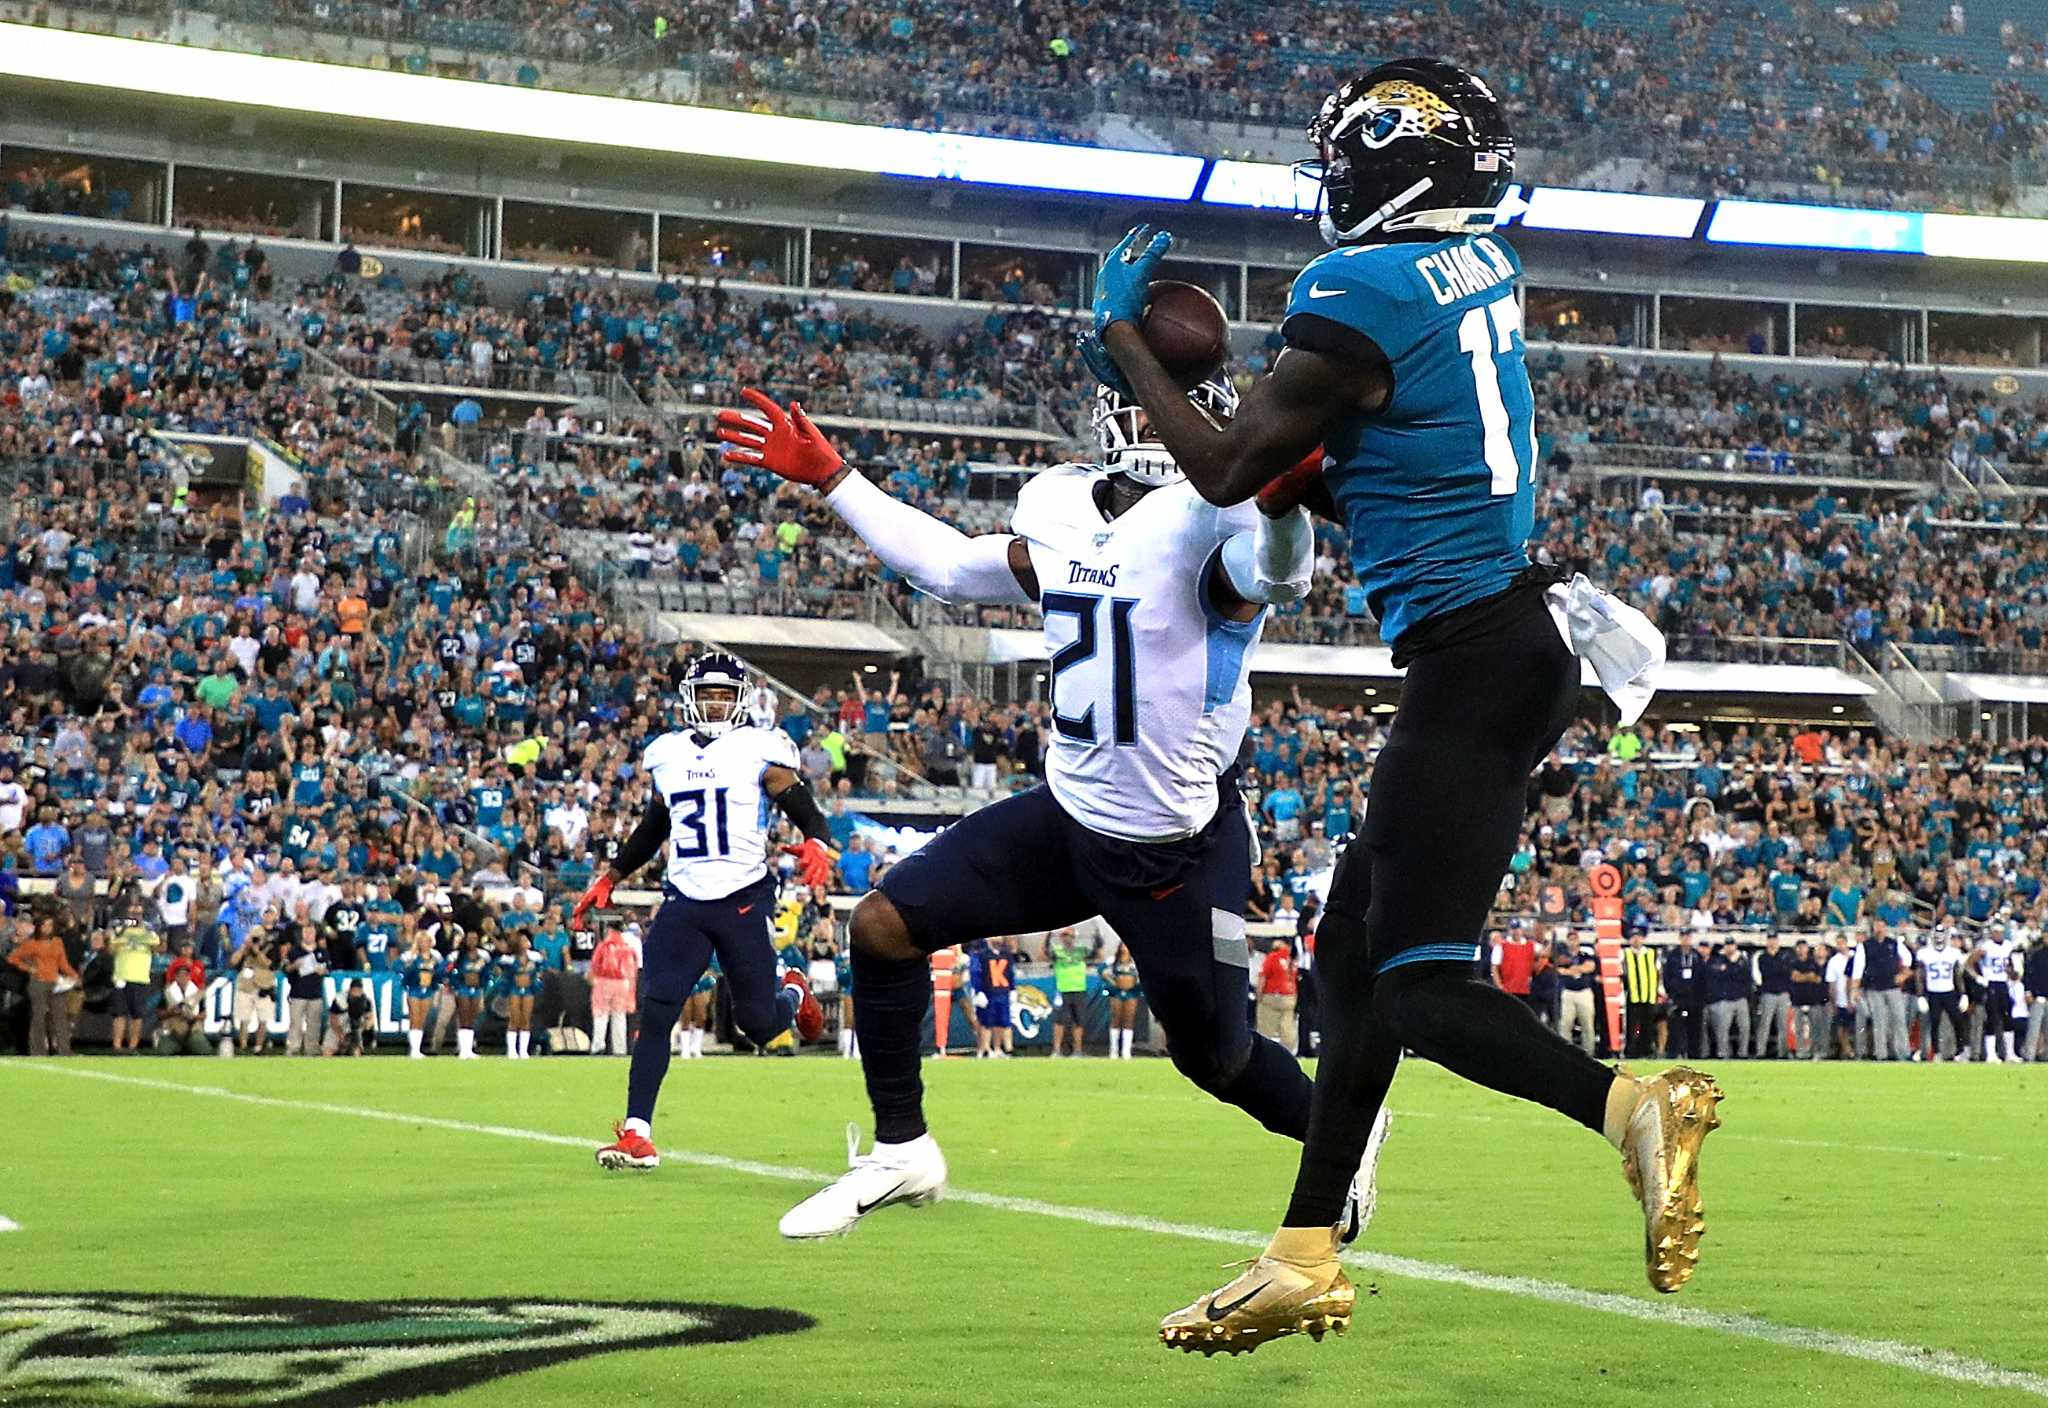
{"x": 1267, "y": 185}
{"x": 1929, "y": 233}
{"x": 1611, "y": 213}
{"x": 137, "y": 66}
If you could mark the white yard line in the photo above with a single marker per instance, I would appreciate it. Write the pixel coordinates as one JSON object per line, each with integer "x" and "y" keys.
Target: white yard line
{"x": 8, "y": 1224}
{"x": 1893, "y": 1354}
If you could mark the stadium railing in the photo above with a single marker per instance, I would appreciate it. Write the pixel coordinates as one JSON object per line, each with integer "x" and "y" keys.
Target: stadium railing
{"x": 1975, "y": 659}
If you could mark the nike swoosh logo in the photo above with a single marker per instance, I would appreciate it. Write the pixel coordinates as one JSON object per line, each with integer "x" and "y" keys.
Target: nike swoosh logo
{"x": 863, "y": 1209}
{"x": 746, "y": 909}
{"x": 1169, "y": 891}
{"x": 1218, "y": 1310}
{"x": 1318, "y": 291}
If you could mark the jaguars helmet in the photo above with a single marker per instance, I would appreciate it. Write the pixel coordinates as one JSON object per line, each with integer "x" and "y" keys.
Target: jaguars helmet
{"x": 1124, "y": 438}
{"x": 712, "y": 692}
{"x": 1416, "y": 144}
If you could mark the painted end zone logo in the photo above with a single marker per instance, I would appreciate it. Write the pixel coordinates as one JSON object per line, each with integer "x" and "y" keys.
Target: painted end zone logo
{"x": 94, "y": 1348}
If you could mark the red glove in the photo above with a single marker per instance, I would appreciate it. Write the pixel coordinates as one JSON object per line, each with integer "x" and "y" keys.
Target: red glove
{"x": 1287, "y": 493}
{"x": 598, "y": 896}
{"x": 813, "y": 861}
{"x": 782, "y": 441}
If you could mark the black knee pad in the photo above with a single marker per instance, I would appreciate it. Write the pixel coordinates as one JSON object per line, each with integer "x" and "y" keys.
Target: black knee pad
{"x": 868, "y": 934}
{"x": 1207, "y": 1065}
{"x": 1399, "y": 1002}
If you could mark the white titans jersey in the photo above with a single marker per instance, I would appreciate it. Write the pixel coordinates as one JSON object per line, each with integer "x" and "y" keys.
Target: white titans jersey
{"x": 718, "y": 814}
{"x": 1151, "y": 689}
{"x": 1941, "y": 963}
{"x": 1996, "y": 963}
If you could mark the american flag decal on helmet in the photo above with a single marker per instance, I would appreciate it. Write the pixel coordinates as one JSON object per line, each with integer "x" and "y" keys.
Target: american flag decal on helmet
{"x": 1486, "y": 161}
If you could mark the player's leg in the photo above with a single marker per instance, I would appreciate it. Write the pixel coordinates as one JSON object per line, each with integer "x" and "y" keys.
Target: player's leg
{"x": 1441, "y": 823}
{"x": 676, "y": 950}
{"x": 1003, "y": 869}
{"x": 765, "y": 1001}
{"x": 1184, "y": 926}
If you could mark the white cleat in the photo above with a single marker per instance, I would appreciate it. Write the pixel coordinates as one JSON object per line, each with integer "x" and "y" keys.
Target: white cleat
{"x": 1365, "y": 1188}
{"x": 913, "y": 1173}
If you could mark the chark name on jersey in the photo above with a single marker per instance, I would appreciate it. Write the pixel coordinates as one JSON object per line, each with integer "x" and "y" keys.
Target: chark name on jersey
{"x": 1458, "y": 272}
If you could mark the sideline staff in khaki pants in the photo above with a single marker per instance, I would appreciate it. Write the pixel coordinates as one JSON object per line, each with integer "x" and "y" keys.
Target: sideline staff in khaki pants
{"x": 1277, "y": 994}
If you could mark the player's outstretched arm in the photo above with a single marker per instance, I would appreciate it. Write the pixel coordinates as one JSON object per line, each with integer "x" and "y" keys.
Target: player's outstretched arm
{"x": 937, "y": 558}
{"x": 647, "y": 838}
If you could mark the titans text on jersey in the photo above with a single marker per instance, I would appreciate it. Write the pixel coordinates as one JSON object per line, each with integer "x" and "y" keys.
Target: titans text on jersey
{"x": 718, "y": 813}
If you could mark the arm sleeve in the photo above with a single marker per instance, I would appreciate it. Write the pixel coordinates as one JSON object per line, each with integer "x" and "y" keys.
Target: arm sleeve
{"x": 801, "y": 807}
{"x": 937, "y": 558}
{"x": 645, "y": 840}
{"x": 1273, "y": 562}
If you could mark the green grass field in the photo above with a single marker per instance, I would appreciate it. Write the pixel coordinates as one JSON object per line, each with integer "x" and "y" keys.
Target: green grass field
{"x": 1875, "y": 1238}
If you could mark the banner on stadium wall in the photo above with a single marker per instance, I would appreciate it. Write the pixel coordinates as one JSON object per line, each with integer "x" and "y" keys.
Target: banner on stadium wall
{"x": 215, "y": 459}
{"x": 1032, "y": 1005}
{"x": 387, "y": 995}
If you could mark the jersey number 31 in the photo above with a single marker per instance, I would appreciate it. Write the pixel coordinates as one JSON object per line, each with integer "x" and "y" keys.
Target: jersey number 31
{"x": 686, "y": 810}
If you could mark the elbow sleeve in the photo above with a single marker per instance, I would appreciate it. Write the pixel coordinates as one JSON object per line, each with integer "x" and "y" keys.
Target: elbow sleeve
{"x": 1274, "y": 562}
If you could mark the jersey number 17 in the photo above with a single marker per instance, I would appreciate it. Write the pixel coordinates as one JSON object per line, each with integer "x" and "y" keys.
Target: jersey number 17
{"x": 1484, "y": 334}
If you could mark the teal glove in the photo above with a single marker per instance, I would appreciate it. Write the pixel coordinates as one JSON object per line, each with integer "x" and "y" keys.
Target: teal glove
{"x": 1126, "y": 277}
{"x": 1104, "y": 366}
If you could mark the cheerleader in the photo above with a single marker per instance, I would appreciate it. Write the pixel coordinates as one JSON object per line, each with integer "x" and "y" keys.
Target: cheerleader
{"x": 849, "y": 1042}
{"x": 519, "y": 979}
{"x": 697, "y": 1014}
{"x": 1125, "y": 990}
{"x": 469, "y": 973}
{"x": 422, "y": 972}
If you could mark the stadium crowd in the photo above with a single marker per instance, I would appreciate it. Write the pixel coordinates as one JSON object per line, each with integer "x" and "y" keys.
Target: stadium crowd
{"x": 699, "y": 340}
{"x": 1868, "y": 103}
{"x": 297, "y": 738}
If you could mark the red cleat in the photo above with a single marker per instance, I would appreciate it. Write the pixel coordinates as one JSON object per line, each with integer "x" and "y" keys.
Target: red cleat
{"x": 631, "y": 1150}
{"x": 810, "y": 1017}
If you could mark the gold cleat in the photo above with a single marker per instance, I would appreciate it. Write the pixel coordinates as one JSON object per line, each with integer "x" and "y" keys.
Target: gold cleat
{"x": 1273, "y": 1298}
{"x": 1673, "y": 1114}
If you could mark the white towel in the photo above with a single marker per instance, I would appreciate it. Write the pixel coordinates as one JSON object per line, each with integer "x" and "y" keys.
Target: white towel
{"x": 1619, "y": 640}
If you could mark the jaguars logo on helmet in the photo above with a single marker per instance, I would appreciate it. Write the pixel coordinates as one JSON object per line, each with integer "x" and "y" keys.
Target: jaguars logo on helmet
{"x": 1416, "y": 148}
{"x": 711, "y": 693}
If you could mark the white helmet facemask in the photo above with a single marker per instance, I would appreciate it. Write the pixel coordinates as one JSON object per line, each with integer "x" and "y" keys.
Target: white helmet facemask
{"x": 1124, "y": 436}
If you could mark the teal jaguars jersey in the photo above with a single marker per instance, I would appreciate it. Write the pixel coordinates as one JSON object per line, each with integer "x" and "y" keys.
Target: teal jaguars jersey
{"x": 1438, "y": 489}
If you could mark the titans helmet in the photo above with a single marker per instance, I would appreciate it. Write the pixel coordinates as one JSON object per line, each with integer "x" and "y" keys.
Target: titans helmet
{"x": 1416, "y": 144}
{"x": 713, "y": 687}
{"x": 1124, "y": 436}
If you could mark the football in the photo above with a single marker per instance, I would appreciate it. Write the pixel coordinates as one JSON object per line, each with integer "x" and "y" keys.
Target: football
{"x": 1186, "y": 330}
